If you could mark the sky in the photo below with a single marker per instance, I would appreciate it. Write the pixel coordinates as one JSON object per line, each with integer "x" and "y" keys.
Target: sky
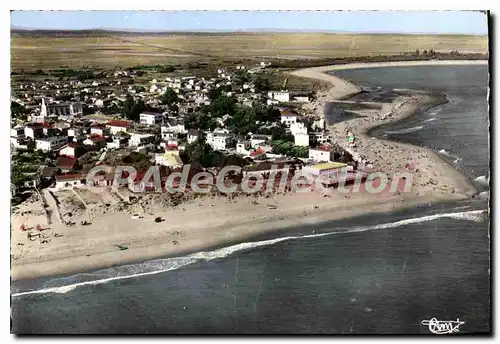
{"x": 444, "y": 22}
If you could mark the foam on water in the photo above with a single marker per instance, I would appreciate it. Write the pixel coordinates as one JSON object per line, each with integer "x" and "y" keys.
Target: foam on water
{"x": 405, "y": 131}
{"x": 483, "y": 180}
{"x": 432, "y": 119}
{"x": 163, "y": 265}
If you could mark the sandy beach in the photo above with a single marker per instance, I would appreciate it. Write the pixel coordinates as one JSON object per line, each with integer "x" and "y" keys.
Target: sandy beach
{"x": 117, "y": 219}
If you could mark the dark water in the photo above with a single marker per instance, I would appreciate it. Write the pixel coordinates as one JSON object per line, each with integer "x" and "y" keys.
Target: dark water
{"x": 377, "y": 278}
{"x": 459, "y": 128}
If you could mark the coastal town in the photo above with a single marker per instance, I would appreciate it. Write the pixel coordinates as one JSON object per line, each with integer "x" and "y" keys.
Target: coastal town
{"x": 66, "y": 123}
{"x": 64, "y": 126}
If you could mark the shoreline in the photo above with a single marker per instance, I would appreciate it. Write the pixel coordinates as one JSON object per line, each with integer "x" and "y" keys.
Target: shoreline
{"x": 215, "y": 222}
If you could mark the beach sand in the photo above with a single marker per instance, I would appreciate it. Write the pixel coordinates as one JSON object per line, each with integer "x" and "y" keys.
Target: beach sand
{"x": 208, "y": 222}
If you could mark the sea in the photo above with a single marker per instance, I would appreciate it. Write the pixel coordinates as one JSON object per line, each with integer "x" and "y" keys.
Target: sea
{"x": 374, "y": 274}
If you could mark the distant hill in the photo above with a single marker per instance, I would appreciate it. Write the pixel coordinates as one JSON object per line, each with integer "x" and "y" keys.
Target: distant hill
{"x": 23, "y": 31}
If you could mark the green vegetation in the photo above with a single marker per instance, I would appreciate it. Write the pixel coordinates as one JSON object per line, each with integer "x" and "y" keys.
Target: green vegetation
{"x": 201, "y": 154}
{"x": 139, "y": 161}
{"x": 25, "y": 164}
{"x": 154, "y": 68}
{"x": 289, "y": 149}
{"x": 132, "y": 109}
{"x": 170, "y": 97}
{"x": 17, "y": 109}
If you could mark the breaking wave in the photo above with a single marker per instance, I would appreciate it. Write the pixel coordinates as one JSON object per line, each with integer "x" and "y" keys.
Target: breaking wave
{"x": 405, "y": 131}
{"x": 153, "y": 267}
{"x": 483, "y": 180}
{"x": 432, "y": 119}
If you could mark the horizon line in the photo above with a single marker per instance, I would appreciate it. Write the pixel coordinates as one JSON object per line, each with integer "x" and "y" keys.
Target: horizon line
{"x": 252, "y": 30}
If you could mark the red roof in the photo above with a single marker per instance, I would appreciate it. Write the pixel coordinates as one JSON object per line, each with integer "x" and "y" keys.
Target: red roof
{"x": 69, "y": 176}
{"x": 66, "y": 162}
{"x": 97, "y": 126}
{"x": 325, "y": 148}
{"x": 96, "y": 138}
{"x": 121, "y": 124}
{"x": 71, "y": 144}
{"x": 258, "y": 151}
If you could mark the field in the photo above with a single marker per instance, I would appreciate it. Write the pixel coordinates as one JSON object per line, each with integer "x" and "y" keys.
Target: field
{"x": 120, "y": 50}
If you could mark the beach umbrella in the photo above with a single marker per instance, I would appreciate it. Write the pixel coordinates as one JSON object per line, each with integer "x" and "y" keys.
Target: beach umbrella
{"x": 38, "y": 227}
{"x": 23, "y": 228}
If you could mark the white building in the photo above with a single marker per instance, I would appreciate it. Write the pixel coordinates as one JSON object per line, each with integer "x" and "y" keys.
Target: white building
{"x": 220, "y": 141}
{"x": 51, "y": 143}
{"x": 118, "y": 126}
{"x": 151, "y": 118}
{"x": 288, "y": 118}
{"x": 280, "y": 96}
{"x": 319, "y": 155}
{"x": 320, "y": 138}
{"x": 117, "y": 143}
{"x": 138, "y": 139}
{"x": 301, "y": 139}
{"x": 257, "y": 140}
{"x": 74, "y": 132}
{"x": 298, "y": 128}
{"x": 99, "y": 130}
{"x": 68, "y": 150}
{"x": 243, "y": 148}
{"x": 66, "y": 181}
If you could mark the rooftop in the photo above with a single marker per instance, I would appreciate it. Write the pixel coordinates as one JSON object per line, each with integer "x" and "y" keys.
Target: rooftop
{"x": 328, "y": 165}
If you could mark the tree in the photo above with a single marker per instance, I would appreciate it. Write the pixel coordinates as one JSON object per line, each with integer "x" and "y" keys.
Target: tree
{"x": 17, "y": 109}
{"x": 262, "y": 84}
{"x": 222, "y": 105}
{"x": 170, "y": 97}
{"x": 288, "y": 148}
{"x": 132, "y": 109}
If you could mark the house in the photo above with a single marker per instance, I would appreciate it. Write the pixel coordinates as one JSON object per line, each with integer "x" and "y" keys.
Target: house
{"x": 17, "y": 132}
{"x": 329, "y": 172}
{"x": 117, "y": 143}
{"x": 94, "y": 140}
{"x": 51, "y": 143}
{"x": 99, "y": 129}
{"x": 298, "y": 128}
{"x": 243, "y": 147}
{"x": 66, "y": 163}
{"x": 116, "y": 126}
{"x": 280, "y": 96}
{"x": 287, "y": 117}
{"x": 151, "y": 118}
{"x": 258, "y": 140}
{"x": 69, "y": 180}
{"x": 68, "y": 150}
{"x": 319, "y": 137}
{"x": 301, "y": 139}
{"x": 322, "y": 154}
{"x": 301, "y": 97}
{"x": 33, "y": 131}
{"x": 193, "y": 135}
{"x": 74, "y": 132}
{"x": 140, "y": 139}
{"x": 220, "y": 141}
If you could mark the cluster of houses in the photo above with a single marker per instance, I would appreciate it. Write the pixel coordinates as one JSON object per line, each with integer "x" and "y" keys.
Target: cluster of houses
{"x": 62, "y": 128}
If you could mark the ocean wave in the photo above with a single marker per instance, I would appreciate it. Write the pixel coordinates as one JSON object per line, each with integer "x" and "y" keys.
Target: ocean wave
{"x": 432, "y": 119}
{"x": 483, "y": 180}
{"x": 484, "y": 195}
{"x": 405, "y": 131}
{"x": 455, "y": 158}
{"x": 163, "y": 265}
